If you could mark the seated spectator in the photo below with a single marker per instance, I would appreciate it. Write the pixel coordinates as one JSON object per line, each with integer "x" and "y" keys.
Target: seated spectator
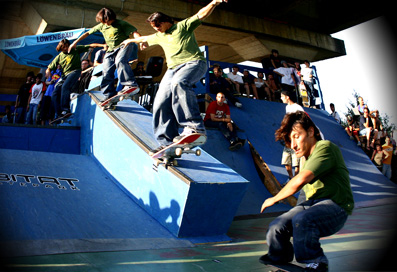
{"x": 219, "y": 84}
{"x": 378, "y": 156}
{"x": 8, "y": 117}
{"x": 85, "y": 77}
{"x": 36, "y": 95}
{"x": 262, "y": 87}
{"x": 218, "y": 116}
{"x": 334, "y": 113}
{"x": 249, "y": 83}
{"x": 352, "y": 129}
{"x": 367, "y": 129}
{"x": 274, "y": 88}
{"x": 235, "y": 79}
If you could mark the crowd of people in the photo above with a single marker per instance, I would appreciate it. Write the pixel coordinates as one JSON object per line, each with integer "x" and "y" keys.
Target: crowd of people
{"x": 365, "y": 127}
{"x": 323, "y": 179}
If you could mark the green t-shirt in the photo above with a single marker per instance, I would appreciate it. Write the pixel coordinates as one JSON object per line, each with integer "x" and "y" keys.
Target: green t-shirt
{"x": 331, "y": 176}
{"x": 178, "y": 42}
{"x": 114, "y": 34}
{"x": 70, "y": 61}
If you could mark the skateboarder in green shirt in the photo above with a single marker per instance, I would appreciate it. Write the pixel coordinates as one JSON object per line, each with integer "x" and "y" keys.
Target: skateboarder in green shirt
{"x": 175, "y": 103}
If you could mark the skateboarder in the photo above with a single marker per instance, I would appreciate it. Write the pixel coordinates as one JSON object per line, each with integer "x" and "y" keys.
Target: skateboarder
{"x": 329, "y": 199}
{"x": 175, "y": 103}
{"x": 114, "y": 31}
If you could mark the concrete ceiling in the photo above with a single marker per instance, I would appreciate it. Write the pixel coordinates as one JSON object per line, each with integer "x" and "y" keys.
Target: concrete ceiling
{"x": 234, "y": 32}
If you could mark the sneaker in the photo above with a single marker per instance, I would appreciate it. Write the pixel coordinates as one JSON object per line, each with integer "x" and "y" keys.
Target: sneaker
{"x": 358, "y": 143}
{"x": 238, "y": 104}
{"x": 187, "y": 131}
{"x": 126, "y": 88}
{"x": 235, "y": 145}
{"x": 321, "y": 267}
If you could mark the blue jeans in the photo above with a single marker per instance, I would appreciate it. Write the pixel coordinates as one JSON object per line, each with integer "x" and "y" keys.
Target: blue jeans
{"x": 32, "y": 114}
{"x": 222, "y": 126}
{"x": 386, "y": 170}
{"x": 306, "y": 223}
{"x": 61, "y": 93}
{"x": 117, "y": 59}
{"x": 175, "y": 102}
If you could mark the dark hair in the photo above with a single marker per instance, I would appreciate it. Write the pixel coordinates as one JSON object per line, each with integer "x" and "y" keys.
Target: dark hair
{"x": 292, "y": 119}
{"x": 39, "y": 75}
{"x": 290, "y": 94}
{"x": 159, "y": 17}
{"x": 105, "y": 15}
{"x": 62, "y": 43}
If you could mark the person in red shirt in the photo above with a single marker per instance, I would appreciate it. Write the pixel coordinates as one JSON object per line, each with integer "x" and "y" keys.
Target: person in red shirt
{"x": 218, "y": 116}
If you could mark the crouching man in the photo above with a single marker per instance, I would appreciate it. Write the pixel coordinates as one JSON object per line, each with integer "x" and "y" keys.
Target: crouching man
{"x": 329, "y": 199}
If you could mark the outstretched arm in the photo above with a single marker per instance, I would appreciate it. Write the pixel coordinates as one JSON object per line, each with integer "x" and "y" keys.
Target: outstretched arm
{"x": 82, "y": 37}
{"x": 207, "y": 10}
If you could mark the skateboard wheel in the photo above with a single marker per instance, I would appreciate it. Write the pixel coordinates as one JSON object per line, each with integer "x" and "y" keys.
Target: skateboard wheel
{"x": 175, "y": 163}
{"x": 198, "y": 152}
{"x": 178, "y": 151}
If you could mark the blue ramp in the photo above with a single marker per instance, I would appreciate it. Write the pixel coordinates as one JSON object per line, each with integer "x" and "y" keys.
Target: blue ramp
{"x": 260, "y": 119}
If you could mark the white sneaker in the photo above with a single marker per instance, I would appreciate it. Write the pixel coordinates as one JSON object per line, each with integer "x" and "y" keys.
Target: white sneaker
{"x": 186, "y": 131}
{"x": 238, "y": 104}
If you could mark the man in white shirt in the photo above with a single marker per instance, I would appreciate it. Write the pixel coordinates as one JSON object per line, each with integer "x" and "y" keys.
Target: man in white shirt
{"x": 235, "y": 78}
{"x": 334, "y": 113}
{"x": 286, "y": 73}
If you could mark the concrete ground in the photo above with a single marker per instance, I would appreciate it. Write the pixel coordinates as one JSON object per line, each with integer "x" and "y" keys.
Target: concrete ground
{"x": 362, "y": 245}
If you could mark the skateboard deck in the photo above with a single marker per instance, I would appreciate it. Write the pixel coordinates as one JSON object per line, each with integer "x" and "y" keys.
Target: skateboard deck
{"x": 112, "y": 101}
{"x": 290, "y": 267}
{"x": 61, "y": 120}
{"x": 303, "y": 93}
{"x": 168, "y": 154}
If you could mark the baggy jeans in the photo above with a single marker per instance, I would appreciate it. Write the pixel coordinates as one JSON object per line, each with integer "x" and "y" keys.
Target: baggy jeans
{"x": 176, "y": 103}
{"x": 117, "y": 59}
{"x": 62, "y": 89}
{"x": 306, "y": 223}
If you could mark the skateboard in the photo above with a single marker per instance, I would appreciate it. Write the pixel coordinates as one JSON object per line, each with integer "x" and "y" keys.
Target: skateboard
{"x": 289, "y": 267}
{"x": 62, "y": 119}
{"x": 111, "y": 102}
{"x": 168, "y": 154}
{"x": 304, "y": 96}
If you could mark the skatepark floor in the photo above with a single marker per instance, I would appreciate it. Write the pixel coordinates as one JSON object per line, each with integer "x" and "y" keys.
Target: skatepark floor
{"x": 359, "y": 246}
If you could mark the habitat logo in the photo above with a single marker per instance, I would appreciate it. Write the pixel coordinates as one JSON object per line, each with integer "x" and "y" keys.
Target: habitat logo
{"x": 37, "y": 181}
{"x": 54, "y": 37}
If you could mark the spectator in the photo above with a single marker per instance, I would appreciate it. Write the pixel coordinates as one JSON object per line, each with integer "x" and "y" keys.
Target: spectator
{"x": 388, "y": 148}
{"x": 378, "y": 156}
{"x": 307, "y": 78}
{"x": 85, "y": 77}
{"x": 352, "y": 129}
{"x": 35, "y": 97}
{"x": 218, "y": 116}
{"x": 378, "y": 127}
{"x": 22, "y": 100}
{"x": 286, "y": 73}
{"x": 262, "y": 87}
{"x": 334, "y": 113}
{"x": 275, "y": 60}
{"x": 219, "y": 84}
{"x": 329, "y": 198}
{"x": 289, "y": 159}
{"x": 361, "y": 105}
{"x": 236, "y": 79}
{"x": 249, "y": 82}
{"x": 47, "y": 112}
{"x": 98, "y": 59}
{"x": 367, "y": 128}
{"x": 140, "y": 70}
{"x": 8, "y": 117}
{"x": 274, "y": 88}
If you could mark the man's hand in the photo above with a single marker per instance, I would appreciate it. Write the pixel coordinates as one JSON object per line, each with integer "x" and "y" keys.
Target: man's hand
{"x": 268, "y": 203}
